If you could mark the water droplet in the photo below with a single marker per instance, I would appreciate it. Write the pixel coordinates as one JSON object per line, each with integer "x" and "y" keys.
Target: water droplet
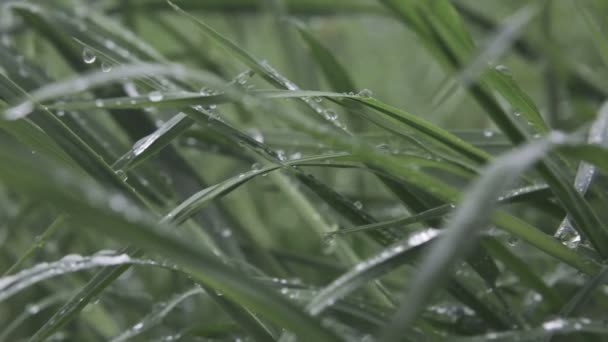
{"x": 60, "y": 113}
{"x": 256, "y": 167}
{"x": 121, "y": 174}
{"x": 281, "y": 155}
{"x": 88, "y": 56}
{"x": 488, "y": 133}
{"x": 138, "y": 326}
{"x": 226, "y": 233}
{"x": 330, "y": 114}
{"x": 512, "y": 240}
{"x": 503, "y": 69}
{"x": 573, "y": 242}
{"x": 295, "y": 156}
{"x": 554, "y": 324}
{"x": 256, "y": 134}
{"x": 383, "y": 148}
{"x": 358, "y": 205}
{"x": 98, "y": 103}
{"x": 32, "y": 309}
{"x": 516, "y": 113}
{"x": 328, "y": 243}
{"x": 106, "y": 67}
{"x": 155, "y": 96}
{"x": 365, "y": 93}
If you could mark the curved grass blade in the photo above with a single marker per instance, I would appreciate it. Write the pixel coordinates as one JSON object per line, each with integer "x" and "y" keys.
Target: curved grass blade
{"x": 12, "y": 284}
{"x": 585, "y": 174}
{"x": 442, "y": 210}
{"x": 551, "y": 297}
{"x": 98, "y": 78}
{"x": 439, "y": 25}
{"x": 582, "y": 296}
{"x": 334, "y": 71}
{"x": 157, "y": 315}
{"x": 513, "y": 225}
{"x": 436, "y": 212}
{"x": 128, "y": 223}
{"x": 40, "y": 241}
{"x": 472, "y": 215}
{"x": 31, "y": 310}
{"x": 385, "y": 261}
{"x": 202, "y": 198}
{"x": 557, "y": 326}
{"x": 341, "y": 81}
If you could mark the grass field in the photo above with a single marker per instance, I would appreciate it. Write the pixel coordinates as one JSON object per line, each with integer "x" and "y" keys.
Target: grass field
{"x": 303, "y": 170}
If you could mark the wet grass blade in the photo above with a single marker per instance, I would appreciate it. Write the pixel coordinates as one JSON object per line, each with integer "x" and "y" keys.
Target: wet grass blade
{"x": 200, "y": 265}
{"x": 473, "y": 214}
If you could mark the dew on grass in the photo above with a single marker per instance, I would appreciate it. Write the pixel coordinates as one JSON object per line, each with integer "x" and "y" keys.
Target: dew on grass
{"x": 512, "y": 240}
{"x": 121, "y": 175}
{"x": 503, "y": 69}
{"x": 256, "y": 134}
{"x": 365, "y": 93}
{"x": 106, "y": 67}
{"x": 281, "y": 155}
{"x": 555, "y": 324}
{"x": 88, "y": 56}
{"x": 330, "y": 114}
{"x": 12, "y": 284}
{"x": 155, "y": 96}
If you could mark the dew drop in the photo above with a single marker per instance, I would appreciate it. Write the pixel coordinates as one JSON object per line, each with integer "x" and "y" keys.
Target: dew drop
{"x": 121, "y": 174}
{"x": 383, "y": 148}
{"x": 328, "y": 244}
{"x": 365, "y": 93}
{"x": 503, "y": 69}
{"x": 281, "y": 155}
{"x": 155, "y": 96}
{"x": 358, "y": 205}
{"x": 554, "y": 324}
{"x": 88, "y": 56}
{"x": 32, "y": 309}
{"x": 106, "y": 67}
{"x": 488, "y": 133}
{"x": 256, "y": 134}
{"x": 330, "y": 114}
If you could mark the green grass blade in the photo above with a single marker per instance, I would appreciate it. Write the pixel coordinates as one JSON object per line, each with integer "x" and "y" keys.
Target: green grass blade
{"x": 472, "y": 215}
{"x": 200, "y": 265}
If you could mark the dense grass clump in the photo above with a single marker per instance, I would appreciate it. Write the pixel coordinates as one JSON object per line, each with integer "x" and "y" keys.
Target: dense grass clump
{"x": 303, "y": 170}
